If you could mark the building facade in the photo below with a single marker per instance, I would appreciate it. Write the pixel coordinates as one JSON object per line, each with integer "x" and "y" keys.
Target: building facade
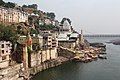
{"x": 5, "y": 50}
{"x": 50, "y": 42}
{"x": 47, "y": 50}
{"x": 9, "y": 15}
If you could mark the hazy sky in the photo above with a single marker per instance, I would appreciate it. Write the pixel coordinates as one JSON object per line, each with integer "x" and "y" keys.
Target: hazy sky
{"x": 93, "y": 16}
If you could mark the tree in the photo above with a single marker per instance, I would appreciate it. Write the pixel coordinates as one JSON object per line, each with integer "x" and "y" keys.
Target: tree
{"x": 8, "y": 33}
{"x": 22, "y": 29}
{"x": 51, "y": 15}
{"x": 47, "y": 27}
{"x": 24, "y": 6}
{"x": 9, "y": 5}
{"x": 36, "y": 12}
{"x": 33, "y": 31}
{"x": 2, "y": 3}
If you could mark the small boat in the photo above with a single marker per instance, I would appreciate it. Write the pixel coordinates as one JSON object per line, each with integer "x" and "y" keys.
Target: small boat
{"x": 102, "y": 57}
{"x": 108, "y": 42}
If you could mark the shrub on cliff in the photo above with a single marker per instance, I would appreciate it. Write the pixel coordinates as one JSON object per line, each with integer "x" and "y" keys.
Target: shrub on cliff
{"x": 8, "y": 33}
{"x": 7, "y": 4}
{"x": 47, "y": 27}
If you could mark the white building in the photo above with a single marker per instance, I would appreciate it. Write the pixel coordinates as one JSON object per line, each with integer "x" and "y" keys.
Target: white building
{"x": 9, "y": 15}
{"x": 66, "y": 26}
{"x": 5, "y": 50}
{"x": 48, "y": 21}
{"x": 50, "y": 44}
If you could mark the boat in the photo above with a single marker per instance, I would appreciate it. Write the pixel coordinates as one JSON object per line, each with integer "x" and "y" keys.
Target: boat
{"x": 102, "y": 56}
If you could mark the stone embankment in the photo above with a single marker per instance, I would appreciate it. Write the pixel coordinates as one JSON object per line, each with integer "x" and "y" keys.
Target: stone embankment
{"x": 16, "y": 72}
{"x": 11, "y": 72}
{"x": 99, "y": 45}
{"x": 47, "y": 64}
{"x": 97, "y": 50}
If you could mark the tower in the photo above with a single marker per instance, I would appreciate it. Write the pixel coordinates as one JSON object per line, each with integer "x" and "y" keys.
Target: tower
{"x": 29, "y": 41}
{"x": 81, "y": 37}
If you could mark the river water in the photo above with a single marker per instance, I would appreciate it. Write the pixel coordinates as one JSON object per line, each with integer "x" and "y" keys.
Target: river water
{"x": 97, "y": 70}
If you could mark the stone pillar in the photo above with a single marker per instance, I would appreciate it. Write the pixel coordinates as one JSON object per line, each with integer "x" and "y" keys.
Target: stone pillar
{"x": 81, "y": 37}
{"x": 29, "y": 42}
{"x": 25, "y": 62}
{"x": 25, "y": 57}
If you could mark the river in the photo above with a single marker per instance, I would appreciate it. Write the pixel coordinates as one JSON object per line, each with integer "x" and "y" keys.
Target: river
{"x": 97, "y": 70}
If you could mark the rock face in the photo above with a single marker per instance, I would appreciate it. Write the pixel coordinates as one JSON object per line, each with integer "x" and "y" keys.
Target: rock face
{"x": 98, "y": 45}
{"x": 116, "y": 42}
{"x": 11, "y": 73}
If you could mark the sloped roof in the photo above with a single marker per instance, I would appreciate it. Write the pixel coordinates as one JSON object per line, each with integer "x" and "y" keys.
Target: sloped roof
{"x": 63, "y": 37}
{"x": 74, "y": 35}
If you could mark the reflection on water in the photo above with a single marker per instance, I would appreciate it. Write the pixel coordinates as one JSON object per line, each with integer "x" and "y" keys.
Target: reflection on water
{"x": 97, "y": 70}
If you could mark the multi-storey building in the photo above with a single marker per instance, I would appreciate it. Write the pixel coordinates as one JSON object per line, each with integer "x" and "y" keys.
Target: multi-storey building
{"x": 47, "y": 51}
{"x": 50, "y": 45}
{"x": 9, "y": 15}
{"x": 5, "y": 50}
{"x": 49, "y": 40}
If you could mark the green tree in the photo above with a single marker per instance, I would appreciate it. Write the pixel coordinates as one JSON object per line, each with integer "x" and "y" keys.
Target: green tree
{"x": 36, "y": 12}
{"x": 47, "y": 27}
{"x": 9, "y": 5}
{"x": 8, "y": 33}
{"x": 34, "y": 6}
{"x": 51, "y": 15}
{"x": 33, "y": 31}
{"x": 22, "y": 29}
{"x": 2, "y": 3}
{"x": 24, "y": 6}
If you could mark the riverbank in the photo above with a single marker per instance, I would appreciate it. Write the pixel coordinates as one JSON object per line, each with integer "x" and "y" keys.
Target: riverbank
{"x": 46, "y": 65}
{"x": 90, "y": 54}
{"x": 96, "y": 70}
{"x": 87, "y": 55}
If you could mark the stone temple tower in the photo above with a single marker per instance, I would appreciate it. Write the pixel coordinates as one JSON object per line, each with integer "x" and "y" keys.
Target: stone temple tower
{"x": 81, "y": 37}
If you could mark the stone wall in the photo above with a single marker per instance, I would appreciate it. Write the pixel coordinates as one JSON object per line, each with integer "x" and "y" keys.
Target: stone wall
{"x": 35, "y": 59}
{"x": 39, "y": 57}
{"x": 11, "y": 72}
{"x": 67, "y": 44}
{"x": 4, "y": 64}
{"x": 54, "y": 53}
{"x": 66, "y": 53}
{"x": 48, "y": 64}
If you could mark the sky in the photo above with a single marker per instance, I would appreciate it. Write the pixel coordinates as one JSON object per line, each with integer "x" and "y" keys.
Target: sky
{"x": 92, "y": 16}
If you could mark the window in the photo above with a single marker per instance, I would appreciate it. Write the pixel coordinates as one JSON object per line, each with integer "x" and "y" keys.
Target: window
{"x": 3, "y": 51}
{"x": 4, "y": 57}
{"x": 6, "y": 51}
{"x": 2, "y": 45}
{"x": 49, "y": 41}
{"x": 8, "y": 45}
